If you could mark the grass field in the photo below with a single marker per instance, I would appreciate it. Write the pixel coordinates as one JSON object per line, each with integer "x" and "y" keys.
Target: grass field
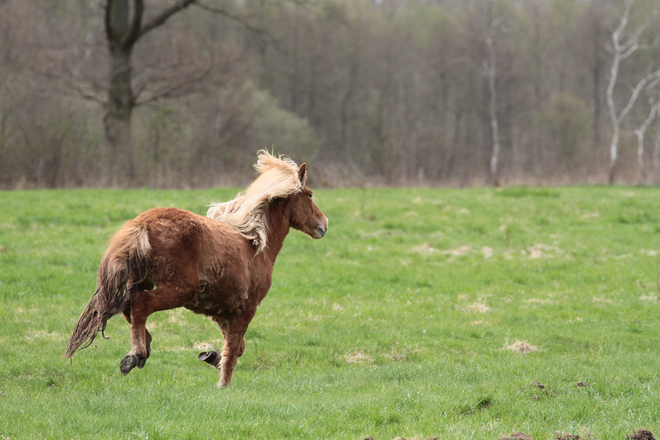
{"x": 403, "y": 321}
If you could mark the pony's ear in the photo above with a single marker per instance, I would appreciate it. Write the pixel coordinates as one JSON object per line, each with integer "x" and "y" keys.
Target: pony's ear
{"x": 302, "y": 173}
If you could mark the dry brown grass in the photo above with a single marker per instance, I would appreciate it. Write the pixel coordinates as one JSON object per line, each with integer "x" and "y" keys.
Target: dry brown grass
{"x": 521, "y": 347}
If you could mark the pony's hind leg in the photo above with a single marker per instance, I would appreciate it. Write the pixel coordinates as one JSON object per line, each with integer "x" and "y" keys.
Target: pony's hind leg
{"x": 127, "y": 315}
{"x": 143, "y": 304}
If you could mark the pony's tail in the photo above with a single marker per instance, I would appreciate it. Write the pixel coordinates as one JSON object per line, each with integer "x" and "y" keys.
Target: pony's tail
{"x": 123, "y": 266}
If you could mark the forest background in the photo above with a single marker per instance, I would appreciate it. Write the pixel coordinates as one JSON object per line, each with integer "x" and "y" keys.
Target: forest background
{"x": 385, "y": 92}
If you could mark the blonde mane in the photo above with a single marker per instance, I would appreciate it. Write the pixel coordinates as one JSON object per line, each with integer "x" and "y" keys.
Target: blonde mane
{"x": 278, "y": 178}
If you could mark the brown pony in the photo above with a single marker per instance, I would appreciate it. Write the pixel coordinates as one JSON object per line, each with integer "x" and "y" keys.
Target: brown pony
{"x": 220, "y": 265}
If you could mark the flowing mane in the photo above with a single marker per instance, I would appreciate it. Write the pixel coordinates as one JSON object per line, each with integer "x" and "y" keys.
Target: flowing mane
{"x": 278, "y": 178}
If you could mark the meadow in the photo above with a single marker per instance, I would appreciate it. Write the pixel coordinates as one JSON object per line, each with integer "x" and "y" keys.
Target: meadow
{"x": 456, "y": 314}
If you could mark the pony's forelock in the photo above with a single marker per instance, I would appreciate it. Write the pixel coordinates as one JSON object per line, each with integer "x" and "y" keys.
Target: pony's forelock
{"x": 278, "y": 178}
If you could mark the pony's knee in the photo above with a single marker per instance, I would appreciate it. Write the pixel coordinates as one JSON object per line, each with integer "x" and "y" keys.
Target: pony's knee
{"x": 241, "y": 348}
{"x": 235, "y": 346}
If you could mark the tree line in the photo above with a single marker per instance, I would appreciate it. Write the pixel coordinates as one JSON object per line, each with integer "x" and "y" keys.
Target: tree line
{"x": 384, "y": 92}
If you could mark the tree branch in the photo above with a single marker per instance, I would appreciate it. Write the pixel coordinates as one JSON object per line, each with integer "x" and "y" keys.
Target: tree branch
{"x": 136, "y": 23}
{"x": 64, "y": 86}
{"x": 635, "y": 93}
{"x": 178, "y": 89}
{"x": 161, "y": 18}
{"x": 261, "y": 32}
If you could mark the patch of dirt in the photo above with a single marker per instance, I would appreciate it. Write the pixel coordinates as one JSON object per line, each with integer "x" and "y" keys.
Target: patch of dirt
{"x": 538, "y": 301}
{"x": 403, "y": 438}
{"x": 202, "y": 346}
{"x": 43, "y": 334}
{"x": 358, "y": 357}
{"x": 521, "y": 347}
{"x": 424, "y": 249}
{"x": 516, "y": 436}
{"x": 641, "y": 434}
{"x": 538, "y": 385}
{"x": 564, "y": 436}
{"x": 581, "y": 384}
{"x": 463, "y": 250}
{"x": 414, "y": 438}
{"x": 478, "y": 307}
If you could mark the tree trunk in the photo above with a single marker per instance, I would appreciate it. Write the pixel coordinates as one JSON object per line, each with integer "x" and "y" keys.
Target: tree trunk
{"x": 640, "y": 132}
{"x": 494, "y": 123}
{"x": 117, "y": 117}
{"x": 656, "y": 150}
{"x": 121, "y": 100}
{"x": 597, "y": 77}
{"x": 614, "y": 118}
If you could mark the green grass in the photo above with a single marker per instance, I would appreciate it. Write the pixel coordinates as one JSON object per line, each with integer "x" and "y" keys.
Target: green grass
{"x": 395, "y": 324}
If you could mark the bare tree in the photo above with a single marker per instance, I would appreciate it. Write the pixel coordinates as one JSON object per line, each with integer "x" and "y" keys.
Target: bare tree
{"x": 491, "y": 71}
{"x": 656, "y": 149}
{"x": 640, "y": 132}
{"x": 624, "y": 45}
{"x": 124, "y": 27}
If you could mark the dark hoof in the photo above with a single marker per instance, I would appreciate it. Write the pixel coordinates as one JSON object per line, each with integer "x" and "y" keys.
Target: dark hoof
{"x": 141, "y": 363}
{"x": 210, "y": 357}
{"x": 128, "y": 363}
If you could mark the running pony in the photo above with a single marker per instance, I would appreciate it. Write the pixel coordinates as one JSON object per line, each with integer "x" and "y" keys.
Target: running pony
{"x": 220, "y": 265}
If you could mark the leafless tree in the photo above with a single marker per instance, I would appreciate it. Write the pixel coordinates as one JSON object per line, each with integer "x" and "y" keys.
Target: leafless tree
{"x": 656, "y": 148}
{"x": 124, "y": 26}
{"x": 624, "y": 44}
{"x": 491, "y": 72}
{"x": 654, "y": 106}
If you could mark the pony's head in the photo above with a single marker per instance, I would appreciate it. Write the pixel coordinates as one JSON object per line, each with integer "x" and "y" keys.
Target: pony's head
{"x": 279, "y": 178}
{"x": 305, "y": 215}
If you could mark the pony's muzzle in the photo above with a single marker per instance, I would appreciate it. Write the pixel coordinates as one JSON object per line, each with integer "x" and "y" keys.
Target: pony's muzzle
{"x": 321, "y": 229}
{"x": 210, "y": 357}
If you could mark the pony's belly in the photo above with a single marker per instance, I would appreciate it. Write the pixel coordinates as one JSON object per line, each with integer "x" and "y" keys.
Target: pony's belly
{"x": 210, "y": 302}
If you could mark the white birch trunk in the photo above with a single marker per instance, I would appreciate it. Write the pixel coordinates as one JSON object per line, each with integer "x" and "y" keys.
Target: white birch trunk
{"x": 491, "y": 72}
{"x": 656, "y": 150}
{"x": 640, "y": 132}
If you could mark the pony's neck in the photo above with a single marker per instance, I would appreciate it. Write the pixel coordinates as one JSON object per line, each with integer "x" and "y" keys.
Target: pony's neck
{"x": 277, "y": 227}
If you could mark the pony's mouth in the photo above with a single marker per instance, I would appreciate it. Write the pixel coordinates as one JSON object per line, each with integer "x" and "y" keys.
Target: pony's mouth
{"x": 321, "y": 229}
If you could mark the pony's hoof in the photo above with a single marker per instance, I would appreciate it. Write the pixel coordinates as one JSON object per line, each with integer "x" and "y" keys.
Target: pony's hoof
{"x": 128, "y": 363}
{"x": 210, "y": 357}
{"x": 141, "y": 363}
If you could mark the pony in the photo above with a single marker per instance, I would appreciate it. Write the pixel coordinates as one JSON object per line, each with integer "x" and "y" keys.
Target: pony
{"x": 220, "y": 265}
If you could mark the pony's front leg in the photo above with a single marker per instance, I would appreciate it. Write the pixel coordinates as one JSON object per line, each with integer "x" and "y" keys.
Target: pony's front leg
{"x": 232, "y": 350}
{"x": 233, "y": 332}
